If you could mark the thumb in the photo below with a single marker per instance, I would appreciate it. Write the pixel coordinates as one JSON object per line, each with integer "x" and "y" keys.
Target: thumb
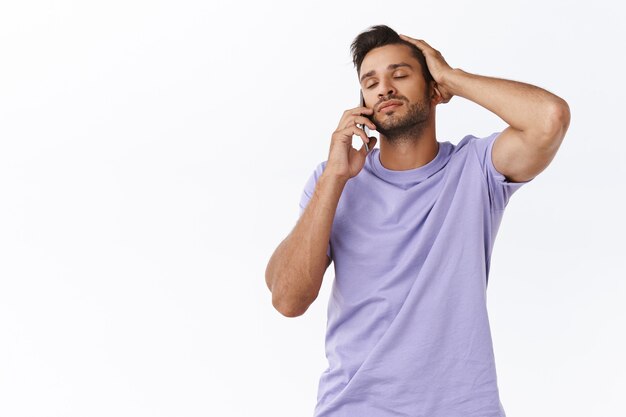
{"x": 372, "y": 143}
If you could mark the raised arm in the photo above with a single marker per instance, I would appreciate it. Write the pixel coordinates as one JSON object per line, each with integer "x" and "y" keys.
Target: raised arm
{"x": 295, "y": 271}
{"x": 537, "y": 119}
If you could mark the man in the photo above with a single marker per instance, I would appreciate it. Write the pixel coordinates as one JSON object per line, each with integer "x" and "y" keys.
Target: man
{"x": 410, "y": 228}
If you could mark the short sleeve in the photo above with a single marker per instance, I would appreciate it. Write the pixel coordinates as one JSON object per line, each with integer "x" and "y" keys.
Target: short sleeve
{"x": 500, "y": 189}
{"x": 307, "y": 193}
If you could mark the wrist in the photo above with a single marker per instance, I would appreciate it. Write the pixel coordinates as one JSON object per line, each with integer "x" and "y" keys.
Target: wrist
{"x": 451, "y": 80}
{"x": 328, "y": 176}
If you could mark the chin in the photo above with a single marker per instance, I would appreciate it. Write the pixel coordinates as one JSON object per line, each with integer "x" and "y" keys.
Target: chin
{"x": 389, "y": 122}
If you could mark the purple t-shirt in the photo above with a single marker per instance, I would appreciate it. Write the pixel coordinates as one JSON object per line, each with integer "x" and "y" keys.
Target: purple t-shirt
{"x": 408, "y": 333}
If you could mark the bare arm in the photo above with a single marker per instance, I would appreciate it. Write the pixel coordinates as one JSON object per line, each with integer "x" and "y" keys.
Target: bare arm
{"x": 538, "y": 119}
{"x": 295, "y": 271}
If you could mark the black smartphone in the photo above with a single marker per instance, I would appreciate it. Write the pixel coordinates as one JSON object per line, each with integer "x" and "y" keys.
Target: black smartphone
{"x": 364, "y": 127}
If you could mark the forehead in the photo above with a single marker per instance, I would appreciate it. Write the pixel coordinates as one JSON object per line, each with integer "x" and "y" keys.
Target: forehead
{"x": 378, "y": 59}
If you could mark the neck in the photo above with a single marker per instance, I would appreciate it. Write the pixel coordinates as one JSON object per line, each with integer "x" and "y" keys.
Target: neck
{"x": 410, "y": 148}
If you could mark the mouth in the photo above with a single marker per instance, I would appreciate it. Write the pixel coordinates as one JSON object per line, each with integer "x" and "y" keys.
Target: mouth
{"x": 389, "y": 105}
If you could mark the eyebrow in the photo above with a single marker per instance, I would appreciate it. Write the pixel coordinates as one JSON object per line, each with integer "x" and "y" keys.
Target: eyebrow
{"x": 390, "y": 67}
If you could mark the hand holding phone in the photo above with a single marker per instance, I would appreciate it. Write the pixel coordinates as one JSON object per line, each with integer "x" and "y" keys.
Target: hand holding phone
{"x": 364, "y": 127}
{"x": 344, "y": 161}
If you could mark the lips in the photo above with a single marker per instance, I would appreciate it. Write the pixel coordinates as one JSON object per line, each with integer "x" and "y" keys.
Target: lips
{"x": 389, "y": 103}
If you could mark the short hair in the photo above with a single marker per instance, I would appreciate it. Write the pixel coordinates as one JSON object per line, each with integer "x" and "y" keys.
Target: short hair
{"x": 381, "y": 35}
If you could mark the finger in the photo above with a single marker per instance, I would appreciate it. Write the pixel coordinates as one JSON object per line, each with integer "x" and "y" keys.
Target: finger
{"x": 360, "y": 120}
{"x": 348, "y": 114}
{"x": 353, "y": 130}
{"x": 409, "y": 39}
{"x": 362, "y": 110}
{"x": 357, "y": 111}
{"x": 420, "y": 43}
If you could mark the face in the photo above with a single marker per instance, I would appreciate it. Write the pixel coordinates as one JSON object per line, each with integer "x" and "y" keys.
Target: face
{"x": 391, "y": 73}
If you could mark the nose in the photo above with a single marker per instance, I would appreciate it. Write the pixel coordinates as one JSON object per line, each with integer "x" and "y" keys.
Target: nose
{"x": 386, "y": 89}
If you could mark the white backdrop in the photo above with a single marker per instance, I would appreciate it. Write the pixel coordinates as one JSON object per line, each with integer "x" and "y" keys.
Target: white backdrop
{"x": 152, "y": 157}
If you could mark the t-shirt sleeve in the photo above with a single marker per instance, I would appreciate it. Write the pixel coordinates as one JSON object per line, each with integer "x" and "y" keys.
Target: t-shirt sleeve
{"x": 307, "y": 193}
{"x": 500, "y": 189}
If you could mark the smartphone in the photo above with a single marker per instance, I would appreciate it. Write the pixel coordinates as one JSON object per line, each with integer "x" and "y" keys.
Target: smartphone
{"x": 364, "y": 127}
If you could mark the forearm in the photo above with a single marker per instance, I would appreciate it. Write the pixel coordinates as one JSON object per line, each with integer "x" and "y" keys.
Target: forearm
{"x": 522, "y": 106}
{"x": 295, "y": 271}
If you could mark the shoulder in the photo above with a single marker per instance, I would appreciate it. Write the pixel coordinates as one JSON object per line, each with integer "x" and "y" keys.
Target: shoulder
{"x": 472, "y": 141}
{"x": 467, "y": 145}
{"x": 478, "y": 145}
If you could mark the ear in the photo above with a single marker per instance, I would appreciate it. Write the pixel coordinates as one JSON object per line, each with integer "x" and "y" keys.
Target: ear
{"x": 436, "y": 96}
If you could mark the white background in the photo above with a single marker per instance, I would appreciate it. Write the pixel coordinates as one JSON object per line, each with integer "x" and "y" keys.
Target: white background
{"x": 152, "y": 157}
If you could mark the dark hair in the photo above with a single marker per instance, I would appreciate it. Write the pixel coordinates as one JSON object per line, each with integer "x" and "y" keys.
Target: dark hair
{"x": 382, "y": 35}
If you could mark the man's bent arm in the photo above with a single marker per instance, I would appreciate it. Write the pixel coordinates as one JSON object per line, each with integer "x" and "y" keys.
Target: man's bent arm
{"x": 523, "y": 106}
{"x": 295, "y": 271}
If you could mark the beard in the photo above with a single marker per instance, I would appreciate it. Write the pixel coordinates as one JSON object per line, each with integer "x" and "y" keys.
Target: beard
{"x": 404, "y": 128}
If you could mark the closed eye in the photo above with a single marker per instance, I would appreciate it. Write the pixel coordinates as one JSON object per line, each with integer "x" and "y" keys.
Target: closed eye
{"x": 399, "y": 76}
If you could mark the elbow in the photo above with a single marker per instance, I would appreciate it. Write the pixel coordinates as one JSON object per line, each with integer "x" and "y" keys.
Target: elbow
{"x": 558, "y": 120}
{"x": 277, "y": 301}
{"x": 291, "y": 291}
{"x": 550, "y": 131}
{"x": 289, "y": 309}
{"x": 287, "y": 303}
{"x": 268, "y": 278}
